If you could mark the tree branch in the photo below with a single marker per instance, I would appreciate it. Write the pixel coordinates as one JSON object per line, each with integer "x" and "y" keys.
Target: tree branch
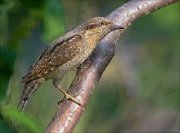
{"x": 69, "y": 113}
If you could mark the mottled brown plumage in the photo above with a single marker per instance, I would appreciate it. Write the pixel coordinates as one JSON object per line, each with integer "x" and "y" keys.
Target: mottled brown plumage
{"x": 65, "y": 53}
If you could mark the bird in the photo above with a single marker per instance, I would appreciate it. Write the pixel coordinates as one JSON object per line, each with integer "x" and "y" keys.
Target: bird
{"x": 63, "y": 54}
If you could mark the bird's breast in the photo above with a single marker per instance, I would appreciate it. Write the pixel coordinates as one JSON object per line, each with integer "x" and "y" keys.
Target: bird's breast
{"x": 61, "y": 70}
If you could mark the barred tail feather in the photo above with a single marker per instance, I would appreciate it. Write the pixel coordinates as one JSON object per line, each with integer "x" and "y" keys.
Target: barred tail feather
{"x": 22, "y": 104}
{"x": 29, "y": 89}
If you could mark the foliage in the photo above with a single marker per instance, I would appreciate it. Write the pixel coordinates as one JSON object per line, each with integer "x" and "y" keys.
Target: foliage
{"x": 18, "y": 20}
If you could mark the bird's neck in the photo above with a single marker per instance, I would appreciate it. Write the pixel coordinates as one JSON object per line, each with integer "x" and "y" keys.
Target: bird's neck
{"x": 92, "y": 39}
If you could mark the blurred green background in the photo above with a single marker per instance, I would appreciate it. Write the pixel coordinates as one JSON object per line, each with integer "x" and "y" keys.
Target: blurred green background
{"x": 138, "y": 92}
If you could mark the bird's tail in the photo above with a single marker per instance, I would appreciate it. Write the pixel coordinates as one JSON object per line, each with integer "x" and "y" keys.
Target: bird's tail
{"x": 29, "y": 89}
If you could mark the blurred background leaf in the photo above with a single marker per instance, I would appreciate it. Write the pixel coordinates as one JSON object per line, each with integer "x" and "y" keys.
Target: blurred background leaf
{"x": 53, "y": 19}
{"x": 23, "y": 122}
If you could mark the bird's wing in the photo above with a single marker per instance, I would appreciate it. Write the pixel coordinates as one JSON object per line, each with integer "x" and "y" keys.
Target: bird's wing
{"x": 59, "y": 53}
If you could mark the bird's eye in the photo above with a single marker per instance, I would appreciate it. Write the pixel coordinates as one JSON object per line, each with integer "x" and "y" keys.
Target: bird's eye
{"x": 103, "y": 23}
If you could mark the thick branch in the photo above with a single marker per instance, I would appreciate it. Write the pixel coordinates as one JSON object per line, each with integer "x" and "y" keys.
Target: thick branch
{"x": 69, "y": 113}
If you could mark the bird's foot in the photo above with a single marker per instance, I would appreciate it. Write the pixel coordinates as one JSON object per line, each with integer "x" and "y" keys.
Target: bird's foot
{"x": 69, "y": 97}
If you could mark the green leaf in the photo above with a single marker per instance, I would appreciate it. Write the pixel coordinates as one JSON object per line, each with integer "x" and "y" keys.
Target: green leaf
{"x": 7, "y": 59}
{"x": 23, "y": 121}
{"x": 35, "y": 4}
{"x": 53, "y": 19}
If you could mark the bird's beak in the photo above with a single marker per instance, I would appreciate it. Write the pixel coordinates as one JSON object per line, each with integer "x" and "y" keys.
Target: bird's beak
{"x": 116, "y": 27}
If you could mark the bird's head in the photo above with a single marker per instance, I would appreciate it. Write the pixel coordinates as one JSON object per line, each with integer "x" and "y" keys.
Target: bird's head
{"x": 98, "y": 27}
{"x": 101, "y": 23}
